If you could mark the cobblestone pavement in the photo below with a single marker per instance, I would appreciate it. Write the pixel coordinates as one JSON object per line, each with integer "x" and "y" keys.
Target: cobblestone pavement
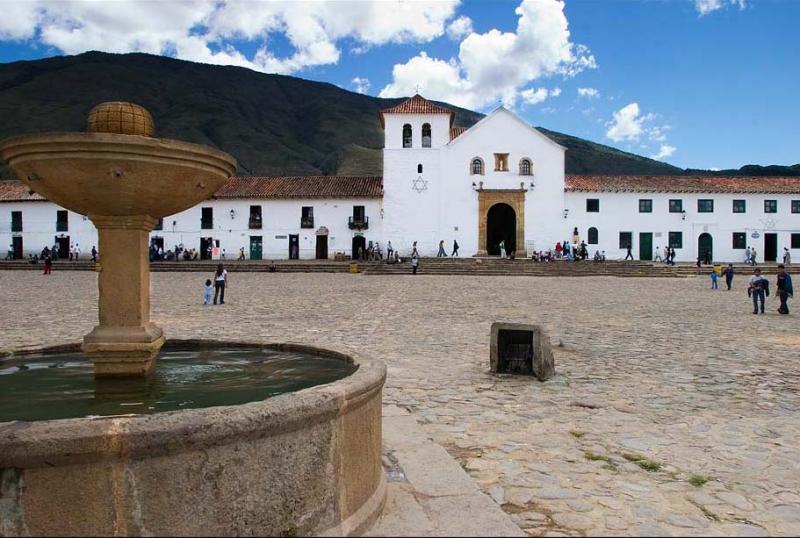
{"x": 674, "y": 410}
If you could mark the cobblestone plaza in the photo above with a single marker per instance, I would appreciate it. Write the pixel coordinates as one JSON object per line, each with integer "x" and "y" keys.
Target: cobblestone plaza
{"x": 673, "y": 411}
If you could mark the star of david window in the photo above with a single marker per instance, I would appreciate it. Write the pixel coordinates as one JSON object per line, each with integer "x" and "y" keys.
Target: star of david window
{"x": 418, "y": 185}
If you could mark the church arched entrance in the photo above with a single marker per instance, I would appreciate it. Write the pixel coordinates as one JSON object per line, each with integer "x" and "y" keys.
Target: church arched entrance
{"x": 705, "y": 248}
{"x": 501, "y": 225}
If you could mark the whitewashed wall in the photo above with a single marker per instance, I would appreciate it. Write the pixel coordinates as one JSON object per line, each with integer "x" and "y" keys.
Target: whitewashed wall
{"x": 448, "y": 207}
{"x": 503, "y": 132}
{"x": 39, "y": 227}
{"x": 619, "y": 212}
{"x": 280, "y": 218}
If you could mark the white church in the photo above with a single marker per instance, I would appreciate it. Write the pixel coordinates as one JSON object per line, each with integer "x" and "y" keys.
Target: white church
{"x": 500, "y": 180}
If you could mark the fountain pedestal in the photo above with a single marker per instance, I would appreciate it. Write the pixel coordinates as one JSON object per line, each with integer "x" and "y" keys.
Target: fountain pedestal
{"x": 123, "y": 179}
{"x": 125, "y": 342}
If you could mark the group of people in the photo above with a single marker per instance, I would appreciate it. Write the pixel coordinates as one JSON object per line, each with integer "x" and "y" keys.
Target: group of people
{"x": 442, "y": 252}
{"x": 157, "y": 253}
{"x": 373, "y": 252}
{"x": 576, "y": 251}
{"x": 668, "y": 257}
{"x": 758, "y": 287}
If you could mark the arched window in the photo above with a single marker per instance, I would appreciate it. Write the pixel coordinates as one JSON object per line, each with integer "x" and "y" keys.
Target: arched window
{"x": 419, "y": 168}
{"x": 426, "y": 135}
{"x": 525, "y": 167}
{"x": 407, "y": 135}
{"x": 592, "y": 235}
{"x": 477, "y": 167}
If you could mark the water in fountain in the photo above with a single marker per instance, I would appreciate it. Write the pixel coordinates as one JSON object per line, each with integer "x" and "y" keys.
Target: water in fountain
{"x": 63, "y": 385}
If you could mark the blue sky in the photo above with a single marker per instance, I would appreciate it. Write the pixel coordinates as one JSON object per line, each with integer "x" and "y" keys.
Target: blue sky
{"x": 696, "y": 83}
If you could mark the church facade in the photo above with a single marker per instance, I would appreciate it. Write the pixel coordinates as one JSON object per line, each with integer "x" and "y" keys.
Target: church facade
{"x": 499, "y": 181}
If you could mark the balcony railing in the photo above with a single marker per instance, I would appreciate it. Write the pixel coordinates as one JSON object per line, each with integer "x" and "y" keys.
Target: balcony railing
{"x": 358, "y": 223}
{"x": 255, "y": 223}
{"x": 307, "y": 222}
{"x": 206, "y": 224}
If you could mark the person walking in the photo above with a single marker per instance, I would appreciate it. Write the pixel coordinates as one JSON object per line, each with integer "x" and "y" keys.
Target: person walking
{"x": 389, "y": 250}
{"x": 785, "y": 290}
{"x": 753, "y": 257}
{"x": 728, "y": 272}
{"x": 629, "y": 254}
{"x": 714, "y": 276}
{"x": 747, "y": 255}
{"x": 94, "y": 254}
{"x": 502, "y": 246}
{"x": 758, "y": 289}
{"x": 658, "y": 257}
{"x": 455, "y": 248}
{"x": 48, "y": 265}
{"x": 559, "y": 248}
{"x": 220, "y": 281}
{"x": 441, "y": 252}
{"x": 787, "y": 257}
{"x": 414, "y": 264}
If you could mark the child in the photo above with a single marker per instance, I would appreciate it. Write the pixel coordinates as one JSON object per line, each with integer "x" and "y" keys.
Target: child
{"x": 208, "y": 291}
{"x": 714, "y": 280}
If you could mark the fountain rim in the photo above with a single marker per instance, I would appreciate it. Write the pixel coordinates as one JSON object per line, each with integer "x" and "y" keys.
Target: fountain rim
{"x": 84, "y": 440}
{"x": 73, "y": 144}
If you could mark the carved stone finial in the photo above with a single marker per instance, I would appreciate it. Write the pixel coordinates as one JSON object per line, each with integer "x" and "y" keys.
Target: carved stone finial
{"x": 121, "y": 118}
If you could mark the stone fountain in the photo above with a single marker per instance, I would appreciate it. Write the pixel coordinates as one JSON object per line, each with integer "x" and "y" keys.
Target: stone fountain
{"x": 229, "y": 451}
{"x": 124, "y": 180}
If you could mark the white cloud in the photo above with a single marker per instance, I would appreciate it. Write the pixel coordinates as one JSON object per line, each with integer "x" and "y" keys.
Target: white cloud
{"x": 658, "y": 133}
{"x": 535, "y": 96}
{"x": 360, "y": 84}
{"x": 459, "y": 27}
{"x": 627, "y": 123}
{"x": 704, "y": 7}
{"x": 588, "y": 92}
{"x": 664, "y": 152}
{"x": 202, "y": 30}
{"x": 496, "y": 65}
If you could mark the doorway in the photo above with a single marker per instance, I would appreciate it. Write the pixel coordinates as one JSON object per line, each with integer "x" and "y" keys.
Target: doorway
{"x": 63, "y": 247}
{"x": 205, "y": 248}
{"x": 646, "y": 246}
{"x": 501, "y": 225}
{"x": 770, "y": 247}
{"x": 705, "y": 248}
{"x": 16, "y": 247}
{"x": 256, "y": 247}
{"x": 294, "y": 246}
{"x": 322, "y": 247}
{"x": 359, "y": 242}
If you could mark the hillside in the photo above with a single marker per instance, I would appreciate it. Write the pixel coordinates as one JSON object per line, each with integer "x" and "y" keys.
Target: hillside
{"x": 272, "y": 124}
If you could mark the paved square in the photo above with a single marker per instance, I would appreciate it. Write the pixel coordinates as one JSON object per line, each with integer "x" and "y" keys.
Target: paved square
{"x": 661, "y": 383}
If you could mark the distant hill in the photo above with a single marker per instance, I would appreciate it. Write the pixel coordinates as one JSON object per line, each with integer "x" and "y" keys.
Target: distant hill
{"x": 272, "y": 124}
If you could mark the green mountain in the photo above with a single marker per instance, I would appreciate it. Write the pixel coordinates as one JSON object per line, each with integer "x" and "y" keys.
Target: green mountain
{"x": 273, "y": 124}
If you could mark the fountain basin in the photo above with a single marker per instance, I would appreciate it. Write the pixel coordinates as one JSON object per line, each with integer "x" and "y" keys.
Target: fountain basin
{"x": 307, "y": 462}
{"x": 112, "y": 174}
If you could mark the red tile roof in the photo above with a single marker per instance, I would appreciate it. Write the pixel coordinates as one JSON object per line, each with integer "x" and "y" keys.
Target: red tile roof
{"x": 711, "y": 184}
{"x": 287, "y": 187}
{"x": 455, "y": 131}
{"x": 17, "y": 191}
{"x": 416, "y": 105}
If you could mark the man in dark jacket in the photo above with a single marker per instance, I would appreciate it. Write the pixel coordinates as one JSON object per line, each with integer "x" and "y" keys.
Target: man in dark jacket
{"x": 728, "y": 272}
{"x": 759, "y": 287}
{"x": 784, "y": 289}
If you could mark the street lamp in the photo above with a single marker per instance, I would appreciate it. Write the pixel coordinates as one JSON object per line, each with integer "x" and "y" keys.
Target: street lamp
{"x": 566, "y": 213}
{"x": 683, "y": 214}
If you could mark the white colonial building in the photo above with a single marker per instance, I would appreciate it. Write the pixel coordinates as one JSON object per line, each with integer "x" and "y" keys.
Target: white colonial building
{"x": 499, "y": 180}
